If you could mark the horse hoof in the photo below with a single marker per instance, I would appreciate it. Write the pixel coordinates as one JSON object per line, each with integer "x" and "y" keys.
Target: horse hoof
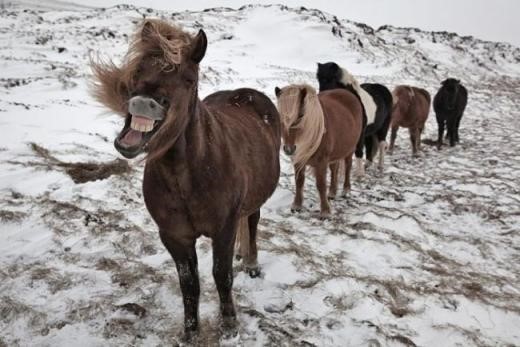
{"x": 190, "y": 335}
{"x": 229, "y": 327}
{"x": 238, "y": 257}
{"x": 295, "y": 209}
{"x": 324, "y": 215}
{"x": 345, "y": 194}
{"x": 253, "y": 272}
{"x": 331, "y": 197}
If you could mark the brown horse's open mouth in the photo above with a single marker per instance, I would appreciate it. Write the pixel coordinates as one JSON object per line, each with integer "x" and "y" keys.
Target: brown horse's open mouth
{"x": 136, "y": 134}
{"x": 142, "y": 121}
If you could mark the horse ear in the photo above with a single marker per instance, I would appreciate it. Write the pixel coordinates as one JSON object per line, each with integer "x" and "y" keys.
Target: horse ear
{"x": 277, "y": 91}
{"x": 147, "y": 31}
{"x": 199, "y": 45}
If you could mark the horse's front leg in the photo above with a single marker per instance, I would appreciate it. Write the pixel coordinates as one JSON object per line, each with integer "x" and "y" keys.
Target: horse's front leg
{"x": 440, "y": 125}
{"x": 320, "y": 172}
{"x": 333, "y": 188}
{"x": 300, "y": 182}
{"x": 185, "y": 256}
{"x": 223, "y": 244}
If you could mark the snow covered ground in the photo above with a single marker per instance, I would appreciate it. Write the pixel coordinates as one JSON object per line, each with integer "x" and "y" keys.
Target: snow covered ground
{"x": 427, "y": 254}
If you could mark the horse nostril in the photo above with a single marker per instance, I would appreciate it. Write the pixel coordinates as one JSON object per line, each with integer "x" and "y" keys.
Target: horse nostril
{"x": 152, "y": 104}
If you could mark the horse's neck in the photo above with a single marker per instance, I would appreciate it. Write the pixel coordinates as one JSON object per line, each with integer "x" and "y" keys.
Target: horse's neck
{"x": 192, "y": 146}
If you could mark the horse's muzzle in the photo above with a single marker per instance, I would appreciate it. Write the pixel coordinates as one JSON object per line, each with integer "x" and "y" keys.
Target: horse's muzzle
{"x": 289, "y": 149}
{"x": 144, "y": 106}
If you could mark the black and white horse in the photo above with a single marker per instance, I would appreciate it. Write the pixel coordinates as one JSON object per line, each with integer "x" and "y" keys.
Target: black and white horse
{"x": 449, "y": 104}
{"x": 377, "y": 108}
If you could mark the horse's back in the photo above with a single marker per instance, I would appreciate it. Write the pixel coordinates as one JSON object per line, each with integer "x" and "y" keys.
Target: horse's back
{"x": 245, "y": 102}
{"x": 340, "y": 99}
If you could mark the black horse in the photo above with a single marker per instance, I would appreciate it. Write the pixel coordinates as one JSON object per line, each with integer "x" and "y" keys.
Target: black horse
{"x": 377, "y": 109}
{"x": 449, "y": 104}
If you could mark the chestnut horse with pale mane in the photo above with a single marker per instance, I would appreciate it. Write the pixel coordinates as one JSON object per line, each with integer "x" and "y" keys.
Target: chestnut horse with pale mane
{"x": 210, "y": 165}
{"x": 319, "y": 130}
{"x": 410, "y": 110}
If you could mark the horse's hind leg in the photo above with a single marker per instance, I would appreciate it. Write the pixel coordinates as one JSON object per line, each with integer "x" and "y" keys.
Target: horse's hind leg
{"x": 392, "y": 138}
{"x": 333, "y": 188}
{"x": 414, "y": 137}
{"x": 298, "y": 197}
{"x": 251, "y": 260}
{"x": 185, "y": 257}
{"x": 381, "y": 137}
{"x": 452, "y": 122}
{"x": 348, "y": 169}
{"x": 369, "y": 146}
{"x": 223, "y": 245}
{"x": 360, "y": 168}
{"x": 457, "y": 125}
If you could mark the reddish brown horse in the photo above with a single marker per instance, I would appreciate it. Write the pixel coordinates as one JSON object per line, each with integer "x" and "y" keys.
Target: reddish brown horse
{"x": 211, "y": 164}
{"x": 319, "y": 130}
{"x": 411, "y": 108}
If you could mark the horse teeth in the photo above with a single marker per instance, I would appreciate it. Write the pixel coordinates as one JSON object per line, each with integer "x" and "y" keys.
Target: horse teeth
{"x": 137, "y": 125}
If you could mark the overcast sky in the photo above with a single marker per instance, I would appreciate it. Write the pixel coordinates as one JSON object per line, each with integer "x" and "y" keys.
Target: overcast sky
{"x": 496, "y": 20}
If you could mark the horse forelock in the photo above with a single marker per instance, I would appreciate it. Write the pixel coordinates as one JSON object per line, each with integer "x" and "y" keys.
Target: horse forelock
{"x": 166, "y": 43}
{"x": 310, "y": 128}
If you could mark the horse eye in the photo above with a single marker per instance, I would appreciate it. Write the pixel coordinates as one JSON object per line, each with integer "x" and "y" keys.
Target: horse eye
{"x": 163, "y": 100}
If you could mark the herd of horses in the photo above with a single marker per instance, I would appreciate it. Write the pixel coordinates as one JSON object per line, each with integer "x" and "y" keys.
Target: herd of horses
{"x": 211, "y": 164}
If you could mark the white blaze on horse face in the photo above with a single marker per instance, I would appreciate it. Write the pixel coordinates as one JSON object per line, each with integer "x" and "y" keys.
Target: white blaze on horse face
{"x": 366, "y": 99}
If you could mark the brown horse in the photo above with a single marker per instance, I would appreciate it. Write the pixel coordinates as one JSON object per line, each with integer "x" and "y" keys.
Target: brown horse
{"x": 411, "y": 108}
{"x": 211, "y": 164}
{"x": 319, "y": 130}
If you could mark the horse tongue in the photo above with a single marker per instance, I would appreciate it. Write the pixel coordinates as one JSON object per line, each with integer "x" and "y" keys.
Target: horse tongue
{"x": 131, "y": 138}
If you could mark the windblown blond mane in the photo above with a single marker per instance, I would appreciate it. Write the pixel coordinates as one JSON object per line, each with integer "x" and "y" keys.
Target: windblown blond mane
{"x": 366, "y": 99}
{"x": 111, "y": 83}
{"x": 310, "y": 128}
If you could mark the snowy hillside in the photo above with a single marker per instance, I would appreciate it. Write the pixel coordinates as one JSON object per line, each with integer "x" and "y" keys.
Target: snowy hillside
{"x": 427, "y": 254}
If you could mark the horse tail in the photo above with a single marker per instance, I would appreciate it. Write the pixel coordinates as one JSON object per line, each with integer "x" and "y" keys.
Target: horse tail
{"x": 426, "y": 95}
{"x": 395, "y": 97}
{"x": 242, "y": 239}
